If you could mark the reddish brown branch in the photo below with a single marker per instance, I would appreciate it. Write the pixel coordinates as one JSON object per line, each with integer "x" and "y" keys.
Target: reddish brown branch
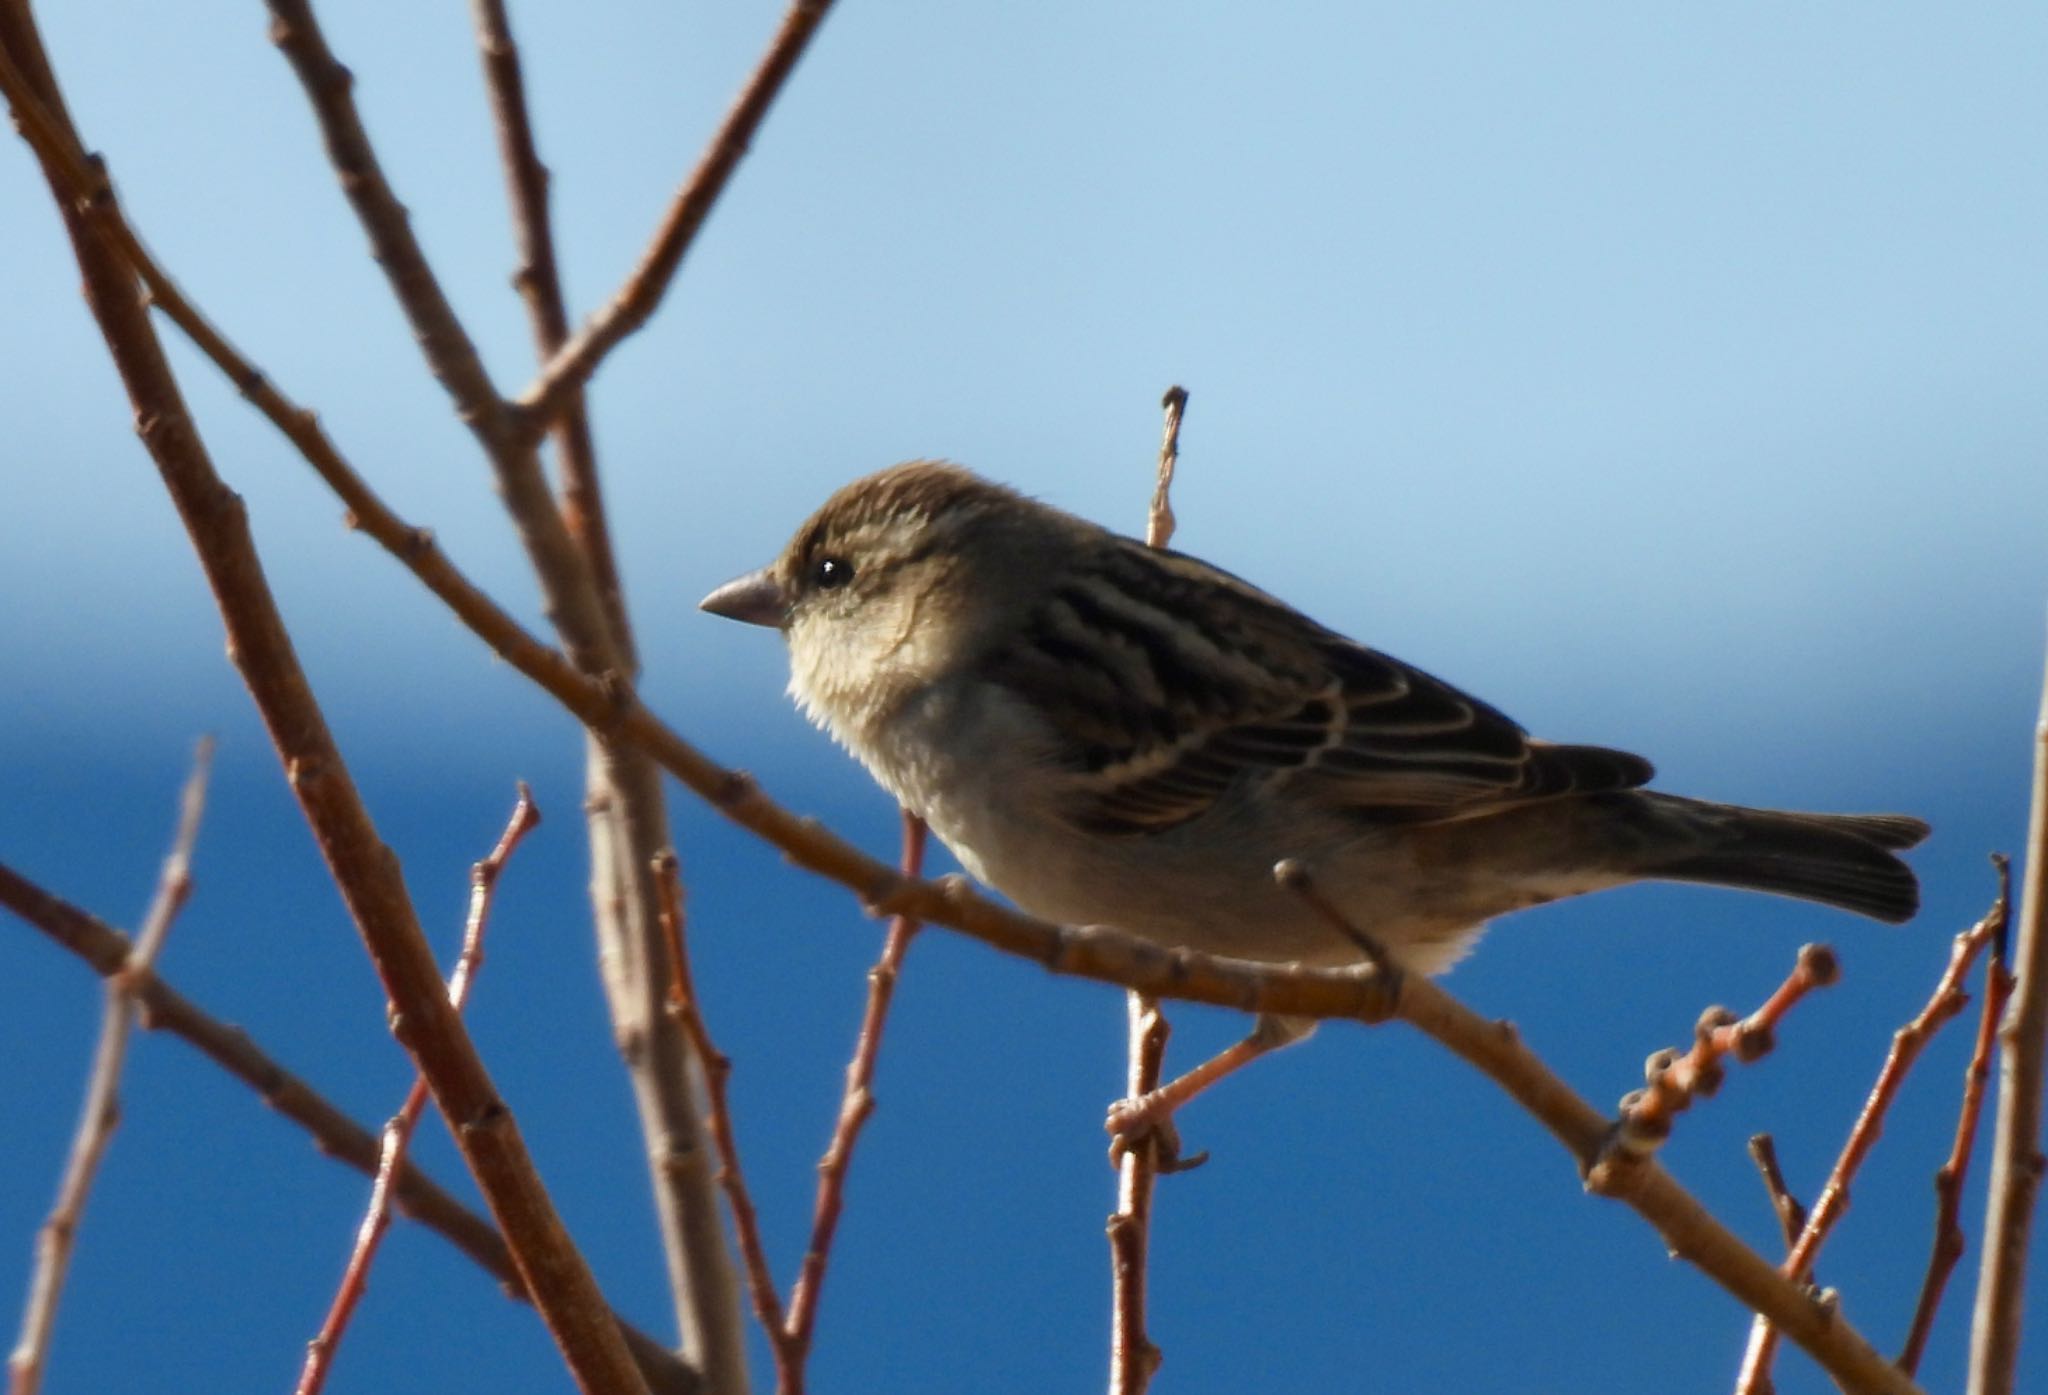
{"x": 1947, "y": 1000}
{"x": 1672, "y": 1081}
{"x": 101, "y": 1112}
{"x": 1293, "y": 876}
{"x": 2017, "y": 1163}
{"x": 330, "y": 88}
{"x": 856, "y": 1105}
{"x": 628, "y": 824}
{"x": 105, "y": 950}
{"x": 688, "y": 1011}
{"x": 1948, "y": 1179}
{"x": 539, "y": 283}
{"x": 630, "y": 307}
{"x": 355, "y": 1278}
{"x": 1791, "y": 1214}
{"x": 445, "y": 344}
{"x": 1133, "y": 1356}
{"x": 363, "y": 868}
{"x": 1159, "y": 522}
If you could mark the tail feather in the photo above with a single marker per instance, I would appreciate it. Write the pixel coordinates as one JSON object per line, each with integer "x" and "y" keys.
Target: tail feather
{"x": 1896, "y": 831}
{"x": 1840, "y": 860}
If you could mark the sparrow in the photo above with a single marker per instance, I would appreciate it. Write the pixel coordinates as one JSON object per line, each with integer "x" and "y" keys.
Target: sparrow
{"x": 1113, "y": 734}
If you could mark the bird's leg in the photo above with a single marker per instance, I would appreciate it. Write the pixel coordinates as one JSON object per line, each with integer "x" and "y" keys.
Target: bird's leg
{"x": 1131, "y": 1119}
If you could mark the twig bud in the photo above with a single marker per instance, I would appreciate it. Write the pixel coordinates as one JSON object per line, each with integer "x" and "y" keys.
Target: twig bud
{"x": 1658, "y": 1062}
{"x": 1819, "y": 964}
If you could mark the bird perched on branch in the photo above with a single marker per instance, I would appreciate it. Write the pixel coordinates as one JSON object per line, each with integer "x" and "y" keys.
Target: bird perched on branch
{"x": 1114, "y": 734}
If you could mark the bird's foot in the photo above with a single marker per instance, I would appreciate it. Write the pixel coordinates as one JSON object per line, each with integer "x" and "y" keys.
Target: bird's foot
{"x": 1146, "y": 1122}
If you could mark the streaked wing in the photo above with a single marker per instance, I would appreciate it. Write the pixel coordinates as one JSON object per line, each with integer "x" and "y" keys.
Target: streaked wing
{"x": 1178, "y": 684}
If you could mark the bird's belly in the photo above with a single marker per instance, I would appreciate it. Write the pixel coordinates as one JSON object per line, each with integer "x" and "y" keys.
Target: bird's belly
{"x": 1206, "y": 889}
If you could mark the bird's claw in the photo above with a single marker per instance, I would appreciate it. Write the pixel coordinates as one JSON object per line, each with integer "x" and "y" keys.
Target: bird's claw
{"x": 1145, "y": 1123}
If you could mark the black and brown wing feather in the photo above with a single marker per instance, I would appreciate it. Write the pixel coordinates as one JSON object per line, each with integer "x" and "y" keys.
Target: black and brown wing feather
{"x": 1179, "y": 684}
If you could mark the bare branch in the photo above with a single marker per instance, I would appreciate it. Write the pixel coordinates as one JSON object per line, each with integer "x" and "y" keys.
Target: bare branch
{"x": 1791, "y": 1214}
{"x": 1133, "y": 1357}
{"x": 1948, "y": 1180}
{"x": 59, "y": 1234}
{"x": 446, "y": 345}
{"x": 856, "y": 1104}
{"x": 2016, "y": 1159}
{"x": 1294, "y": 876}
{"x": 684, "y": 1005}
{"x": 362, "y": 867}
{"x": 1159, "y": 524}
{"x": 539, "y": 283}
{"x": 1947, "y": 1000}
{"x": 1672, "y": 1080}
{"x": 355, "y": 1278}
{"x": 330, "y": 88}
{"x": 630, "y": 307}
{"x": 105, "y": 950}
{"x": 625, "y": 815}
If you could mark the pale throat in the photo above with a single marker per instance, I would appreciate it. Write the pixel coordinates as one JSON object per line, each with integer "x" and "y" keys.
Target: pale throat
{"x": 853, "y": 674}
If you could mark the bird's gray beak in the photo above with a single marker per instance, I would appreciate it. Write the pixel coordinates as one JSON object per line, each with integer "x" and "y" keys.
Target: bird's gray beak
{"x": 755, "y": 598}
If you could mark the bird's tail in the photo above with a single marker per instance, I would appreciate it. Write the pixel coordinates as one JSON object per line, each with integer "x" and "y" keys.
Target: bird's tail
{"x": 1843, "y": 860}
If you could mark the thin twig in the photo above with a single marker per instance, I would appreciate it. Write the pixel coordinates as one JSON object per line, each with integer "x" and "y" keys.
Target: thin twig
{"x": 102, "y": 1110}
{"x": 1294, "y": 876}
{"x": 1673, "y": 1080}
{"x": 1948, "y": 1179}
{"x": 1790, "y": 1212}
{"x": 355, "y": 1278}
{"x": 1133, "y": 1356}
{"x": 1159, "y": 523}
{"x": 363, "y": 868}
{"x": 856, "y": 1104}
{"x": 105, "y": 951}
{"x": 635, "y": 300}
{"x": 2016, "y": 1159}
{"x": 330, "y": 89}
{"x": 627, "y": 822}
{"x": 689, "y": 1012}
{"x": 539, "y": 283}
{"x": 1947, "y": 1000}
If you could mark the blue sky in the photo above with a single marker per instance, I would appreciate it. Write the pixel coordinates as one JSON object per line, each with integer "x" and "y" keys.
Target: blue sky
{"x": 1671, "y": 378}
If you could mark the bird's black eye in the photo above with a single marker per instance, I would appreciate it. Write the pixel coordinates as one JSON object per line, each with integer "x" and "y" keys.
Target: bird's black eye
{"x": 830, "y": 573}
